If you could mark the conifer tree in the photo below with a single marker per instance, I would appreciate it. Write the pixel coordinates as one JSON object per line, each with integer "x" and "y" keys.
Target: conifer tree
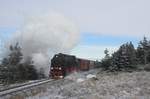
{"x": 10, "y": 64}
{"x": 143, "y": 51}
{"x": 107, "y": 61}
{"x": 14, "y": 69}
{"x": 124, "y": 58}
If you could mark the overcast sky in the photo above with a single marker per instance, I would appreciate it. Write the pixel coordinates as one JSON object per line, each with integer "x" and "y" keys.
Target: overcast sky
{"x": 102, "y": 23}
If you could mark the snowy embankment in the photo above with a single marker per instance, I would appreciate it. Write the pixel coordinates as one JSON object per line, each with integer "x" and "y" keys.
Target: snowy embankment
{"x": 102, "y": 85}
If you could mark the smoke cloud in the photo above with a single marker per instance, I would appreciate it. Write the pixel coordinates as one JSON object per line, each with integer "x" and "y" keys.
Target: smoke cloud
{"x": 42, "y": 36}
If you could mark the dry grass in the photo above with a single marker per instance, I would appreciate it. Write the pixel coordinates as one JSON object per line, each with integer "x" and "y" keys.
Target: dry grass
{"x": 135, "y": 85}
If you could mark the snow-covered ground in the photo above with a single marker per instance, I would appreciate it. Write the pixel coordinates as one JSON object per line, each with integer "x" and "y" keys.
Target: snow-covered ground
{"x": 100, "y": 85}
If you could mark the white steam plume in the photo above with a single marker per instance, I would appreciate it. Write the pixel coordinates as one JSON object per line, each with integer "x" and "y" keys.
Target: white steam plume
{"x": 42, "y": 36}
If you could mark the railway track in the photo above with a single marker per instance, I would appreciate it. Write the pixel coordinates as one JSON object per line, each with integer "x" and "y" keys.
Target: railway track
{"x": 18, "y": 88}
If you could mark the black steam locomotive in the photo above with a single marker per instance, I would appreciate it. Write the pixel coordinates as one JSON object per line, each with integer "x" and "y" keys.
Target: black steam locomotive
{"x": 63, "y": 64}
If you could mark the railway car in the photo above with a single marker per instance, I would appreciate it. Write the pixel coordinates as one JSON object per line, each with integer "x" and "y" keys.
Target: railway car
{"x": 63, "y": 64}
{"x": 84, "y": 64}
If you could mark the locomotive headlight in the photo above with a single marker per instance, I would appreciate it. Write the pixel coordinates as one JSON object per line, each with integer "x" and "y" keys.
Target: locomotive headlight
{"x": 59, "y": 68}
{"x": 51, "y": 67}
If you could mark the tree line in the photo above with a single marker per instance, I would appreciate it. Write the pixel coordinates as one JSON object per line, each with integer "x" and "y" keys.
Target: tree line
{"x": 128, "y": 58}
{"x": 14, "y": 69}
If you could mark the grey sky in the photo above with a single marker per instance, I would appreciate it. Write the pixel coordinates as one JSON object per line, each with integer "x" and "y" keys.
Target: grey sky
{"x": 112, "y": 17}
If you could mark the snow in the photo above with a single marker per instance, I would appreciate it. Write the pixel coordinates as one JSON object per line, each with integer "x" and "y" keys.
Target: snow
{"x": 90, "y": 76}
{"x": 82, "y": 75}
{"x": 107, "y": 86}
{"x": 80, "y": 80}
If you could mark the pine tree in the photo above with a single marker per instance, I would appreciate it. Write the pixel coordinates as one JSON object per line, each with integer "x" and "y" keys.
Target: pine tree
{"x": 143, "y": 51}
{"x": 124, "y": 58}
{"x": 15, "y": 58}
{"x": 131, "y": 53}
{"x": 106, "y": 52}
{"x": 13, "y": 69}
{"x": 27, "y": 70}
{"x": 148, "y": 56}
{"x": 115, "y": 61}
{"x": 11, "y": 64}
{"x": 31, "y": 72}
{"x": 4, "y": 69}
{"x": 107, "y": 61}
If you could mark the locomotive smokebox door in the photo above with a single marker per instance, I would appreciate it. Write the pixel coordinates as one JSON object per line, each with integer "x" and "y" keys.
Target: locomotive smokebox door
{"x": 62, "y": 65}
{"x": 56, "y": 70}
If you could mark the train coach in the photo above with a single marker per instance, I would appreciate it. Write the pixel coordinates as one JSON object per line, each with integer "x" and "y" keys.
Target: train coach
{"x": 63, "y": 64}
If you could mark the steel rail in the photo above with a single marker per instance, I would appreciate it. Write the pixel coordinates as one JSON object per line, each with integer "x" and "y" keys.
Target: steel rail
{"x": 14, "y": 89}
{"x": 19, "y": 85}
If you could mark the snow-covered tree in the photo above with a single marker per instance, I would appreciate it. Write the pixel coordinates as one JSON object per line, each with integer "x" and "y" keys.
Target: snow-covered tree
{"x": 124, "y": 58}
{"x": 143, "y": 51}
{"x": 12, "y": 68}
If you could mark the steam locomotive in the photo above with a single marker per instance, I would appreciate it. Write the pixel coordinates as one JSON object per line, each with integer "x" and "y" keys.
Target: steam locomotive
{"x": 63, "y": 64}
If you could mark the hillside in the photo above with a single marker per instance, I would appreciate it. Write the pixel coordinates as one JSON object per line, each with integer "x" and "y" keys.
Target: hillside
{"x": 106, "y": 86}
